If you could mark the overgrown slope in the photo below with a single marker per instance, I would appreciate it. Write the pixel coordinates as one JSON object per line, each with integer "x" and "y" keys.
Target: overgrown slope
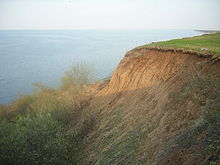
{"x": 158, "y": 108}
{"x": 161, "y": 106}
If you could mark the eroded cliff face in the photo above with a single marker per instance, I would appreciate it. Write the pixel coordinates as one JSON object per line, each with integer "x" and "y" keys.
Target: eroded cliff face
{"x": 154, "y": 111}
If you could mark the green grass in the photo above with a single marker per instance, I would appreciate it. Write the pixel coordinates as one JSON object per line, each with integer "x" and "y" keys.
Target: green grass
{"x": 207, "y": 43}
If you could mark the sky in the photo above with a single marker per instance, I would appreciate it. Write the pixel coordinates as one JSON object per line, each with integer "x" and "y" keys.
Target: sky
{"x": 110, "y": 14}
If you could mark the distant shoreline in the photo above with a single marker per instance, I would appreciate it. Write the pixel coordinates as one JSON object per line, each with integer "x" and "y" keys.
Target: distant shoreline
{"x": 208, "y": 31}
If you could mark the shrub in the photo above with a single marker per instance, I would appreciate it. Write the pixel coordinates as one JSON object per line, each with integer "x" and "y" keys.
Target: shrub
{"x": 3, "y": 109}
{"x": 46, "y": 102}
{"x": 39, "y": 139}
{"x": 18, "y": 107}
{"x": 78, "y": 75}
{"x": 39, "y": 129}
{"x": 40, "y": 88}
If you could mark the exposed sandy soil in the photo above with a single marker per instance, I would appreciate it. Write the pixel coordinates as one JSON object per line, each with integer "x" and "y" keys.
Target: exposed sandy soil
{"x": 144, "y": 105}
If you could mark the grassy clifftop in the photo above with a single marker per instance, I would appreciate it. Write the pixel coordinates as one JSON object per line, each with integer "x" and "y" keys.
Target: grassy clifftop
{"x": 207, "y": 44}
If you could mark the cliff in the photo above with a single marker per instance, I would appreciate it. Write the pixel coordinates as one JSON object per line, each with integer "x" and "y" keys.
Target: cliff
{"x": 160, "y": 107}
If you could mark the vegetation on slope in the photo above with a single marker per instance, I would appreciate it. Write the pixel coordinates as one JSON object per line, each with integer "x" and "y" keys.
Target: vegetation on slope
{"x": 202, "y": 139}
{"x": 207, "y": 43}
{"x": 175, "y": 122}
{"x": 46, "y": 127}
{"x": 171, "y": 116}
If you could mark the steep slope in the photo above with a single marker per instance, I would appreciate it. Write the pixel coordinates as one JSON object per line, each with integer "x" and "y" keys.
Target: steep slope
{"x": 160, "y": 107}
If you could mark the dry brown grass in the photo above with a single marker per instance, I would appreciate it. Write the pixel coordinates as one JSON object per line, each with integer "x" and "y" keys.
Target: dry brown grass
{"x": 148, "y": 102}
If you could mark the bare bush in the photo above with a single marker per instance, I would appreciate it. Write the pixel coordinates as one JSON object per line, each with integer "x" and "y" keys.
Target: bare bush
{"x": 78, "y": 75}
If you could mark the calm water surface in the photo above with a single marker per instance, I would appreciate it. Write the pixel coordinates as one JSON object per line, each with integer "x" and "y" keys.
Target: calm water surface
{"x": 43, "y": 56}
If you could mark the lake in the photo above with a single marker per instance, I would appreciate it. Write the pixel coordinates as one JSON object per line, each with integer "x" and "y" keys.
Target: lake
{"x": 30, "y": 56}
